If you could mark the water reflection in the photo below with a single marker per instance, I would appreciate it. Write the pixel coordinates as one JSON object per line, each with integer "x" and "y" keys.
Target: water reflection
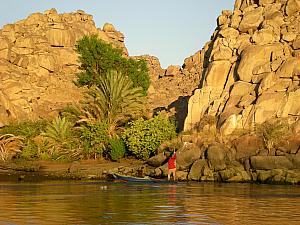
{"x": 183, "y": 203}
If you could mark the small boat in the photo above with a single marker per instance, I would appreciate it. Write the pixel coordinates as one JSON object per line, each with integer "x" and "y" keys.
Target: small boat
{"x": 123, "y": 178}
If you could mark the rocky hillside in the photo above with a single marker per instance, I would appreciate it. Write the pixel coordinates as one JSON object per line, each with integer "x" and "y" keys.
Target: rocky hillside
{"x": 251, "y": 66}
{"x": 249, "y": 71}
{"x": 38, "y": 62}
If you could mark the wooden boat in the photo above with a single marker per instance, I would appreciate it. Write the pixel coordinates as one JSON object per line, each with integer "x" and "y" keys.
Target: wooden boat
{"x": 123, "y": 178}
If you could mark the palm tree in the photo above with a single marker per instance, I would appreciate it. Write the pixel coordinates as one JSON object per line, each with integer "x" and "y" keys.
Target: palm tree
{"x": 113, "y": 100}
{"x": 58, "y": 130}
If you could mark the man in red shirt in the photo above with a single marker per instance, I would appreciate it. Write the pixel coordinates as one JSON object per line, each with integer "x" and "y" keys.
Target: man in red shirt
{"x": 172, "y": 166}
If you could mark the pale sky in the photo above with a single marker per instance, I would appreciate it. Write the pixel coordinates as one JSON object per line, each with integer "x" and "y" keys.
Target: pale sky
{"x": 172, "y": 30}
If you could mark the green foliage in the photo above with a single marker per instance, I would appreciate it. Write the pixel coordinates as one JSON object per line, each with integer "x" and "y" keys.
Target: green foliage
{"x": 143, "y": 137}
{"x": 94, "y": 137}
{"x": 62, "y": 141}
{"x": 29, "y": 151}
{"x": 273, "y": 131}
{"x": 25, "y": 129}
{"x": 97, "y": 58}
{"x": 114, "y": 100}
{"x": 58, "y": 130}
{"x": 117, "y": 149}
{"x": 71, "y": 112}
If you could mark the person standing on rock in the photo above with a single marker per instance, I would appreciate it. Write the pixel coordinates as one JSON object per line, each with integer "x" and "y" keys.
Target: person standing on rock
{"x": 172, "y": 166}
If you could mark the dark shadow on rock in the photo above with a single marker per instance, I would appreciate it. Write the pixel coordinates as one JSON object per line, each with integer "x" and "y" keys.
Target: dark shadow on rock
{"x": 157, "y": 110}
{"x": 181, "y": 110}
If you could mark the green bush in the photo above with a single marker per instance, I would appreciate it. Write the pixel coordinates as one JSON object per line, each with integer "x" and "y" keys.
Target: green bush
{"x": 97, "y": 58}
{"x": 143, "y": 137}
{"x": 28, "y": 130}
{"x": 25, "y": 129}
{"x": 58, "y": 130}
{"x": 94, "y": 138}
{"x": 117, "y": 149}
{"x": 29, "y": 150}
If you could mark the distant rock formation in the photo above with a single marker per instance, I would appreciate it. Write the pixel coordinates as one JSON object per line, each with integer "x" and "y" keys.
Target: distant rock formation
{"x": 251, "y": 67}
{"x": 170, "y": 88}
{"x": 38, "y": 62}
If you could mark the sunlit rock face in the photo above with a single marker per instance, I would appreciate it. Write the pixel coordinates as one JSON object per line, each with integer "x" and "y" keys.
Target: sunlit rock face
{"x": 38, "y": 65}
{"x": 250, "y": 71}
{"x": 38, "y": 62}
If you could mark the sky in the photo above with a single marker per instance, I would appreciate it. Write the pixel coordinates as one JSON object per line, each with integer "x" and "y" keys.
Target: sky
{"x": 171, "y": 30}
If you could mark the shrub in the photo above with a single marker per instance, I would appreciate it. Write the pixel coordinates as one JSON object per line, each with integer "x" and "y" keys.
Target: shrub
{"x": 143, "y": 137}
{"x": 117, "y": 149}
{"x": 58, "y": 130}
{"x": 9, "y": 146}
{"x": 29, "y": 150}
{"x": 71, "y": 112}
{"x": 97, "y": 58}
{"x": 26, "y": 129}
{"x": 273, "y": 131}
{"x": 94, "y": 138}
{"x": 205, "y": 121}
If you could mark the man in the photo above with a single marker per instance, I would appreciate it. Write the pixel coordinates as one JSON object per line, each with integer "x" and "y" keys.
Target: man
{"x": 172, "y": 166}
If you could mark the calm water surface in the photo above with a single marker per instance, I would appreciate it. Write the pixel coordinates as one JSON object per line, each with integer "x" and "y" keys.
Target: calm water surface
{"x": 119, "y": 203}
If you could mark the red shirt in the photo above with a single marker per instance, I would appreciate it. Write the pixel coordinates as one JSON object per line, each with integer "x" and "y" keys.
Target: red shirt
{"x": 172, "y": 162}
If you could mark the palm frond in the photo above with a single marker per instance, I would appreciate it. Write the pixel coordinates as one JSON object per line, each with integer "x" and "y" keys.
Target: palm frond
{"x": 58, "y": 130}
{"x": 114, "y": 99}
{"x": 9, "y": 146}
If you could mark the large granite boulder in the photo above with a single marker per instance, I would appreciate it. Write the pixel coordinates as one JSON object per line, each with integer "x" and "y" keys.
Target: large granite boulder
{"x": 187, "y": 155}
{"x": 251, "y": 19}
{"x": 247, "y": 146}
{"x": 196, "y": 170}
{"x": 271, "y": 162}
{"x": 216, "y": 155}
{"x": 157, "y": 160}
{"x": 254, "y": 60}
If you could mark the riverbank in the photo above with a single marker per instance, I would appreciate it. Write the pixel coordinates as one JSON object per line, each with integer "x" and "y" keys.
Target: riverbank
{"x": 38, "y": 171}
{"x": 79, "y": 170}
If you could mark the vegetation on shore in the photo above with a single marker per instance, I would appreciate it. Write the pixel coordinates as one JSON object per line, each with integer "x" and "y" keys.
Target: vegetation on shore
{"x": 110, "y": 122}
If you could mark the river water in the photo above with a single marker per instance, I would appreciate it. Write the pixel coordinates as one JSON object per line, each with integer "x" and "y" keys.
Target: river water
{"x": 166, "y": 203}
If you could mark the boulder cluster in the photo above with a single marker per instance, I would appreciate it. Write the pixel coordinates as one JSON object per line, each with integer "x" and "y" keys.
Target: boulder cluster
{"x": 244, "y": 160}
{"x": 251, "y": 67}
{"x": 38, "y": 62}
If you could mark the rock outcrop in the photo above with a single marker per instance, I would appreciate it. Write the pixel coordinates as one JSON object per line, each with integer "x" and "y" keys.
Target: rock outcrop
{"x": 244, "y": 161}
{"x": 250, "y": 70}
{"x": 38, "y": 62}
{"x": 170, "y": 88}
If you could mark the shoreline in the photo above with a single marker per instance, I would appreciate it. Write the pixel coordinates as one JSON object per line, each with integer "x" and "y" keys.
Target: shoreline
{"x": 35, "y": 171}
{"x": 86, "y": 170}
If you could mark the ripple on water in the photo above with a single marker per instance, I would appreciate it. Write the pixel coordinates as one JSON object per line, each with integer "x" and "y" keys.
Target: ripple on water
{"x": 182, "y": 203}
